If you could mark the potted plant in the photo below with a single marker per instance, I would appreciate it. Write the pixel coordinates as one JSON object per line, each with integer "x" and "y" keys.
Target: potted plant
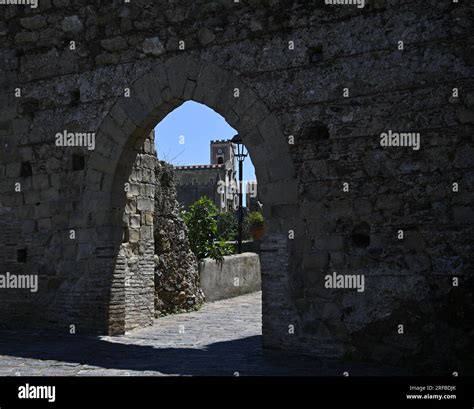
{"x": 255, "y": 222}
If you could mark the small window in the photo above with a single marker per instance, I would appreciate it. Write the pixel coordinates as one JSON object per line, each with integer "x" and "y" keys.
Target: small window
{"x": 211, "y": 181}
{"x": 195, "y": 181}
{"x": 315, "y": 55}
{"x": 21, "y": 255}
{"x": 220, "y": 160}
{"x": 26, "y": 170}
{"x": 78, "y": 162}
{"x": 75, "y": 97}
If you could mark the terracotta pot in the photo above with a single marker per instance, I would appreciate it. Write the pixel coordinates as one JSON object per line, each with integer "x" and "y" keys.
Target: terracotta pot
{"x": 257, "y": 231}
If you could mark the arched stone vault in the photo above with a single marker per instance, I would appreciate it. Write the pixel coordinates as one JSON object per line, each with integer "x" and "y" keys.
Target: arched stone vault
{"x": 341, "y": 84}
{"x": 127, "y": 126}
{"x": 159, "y": 92}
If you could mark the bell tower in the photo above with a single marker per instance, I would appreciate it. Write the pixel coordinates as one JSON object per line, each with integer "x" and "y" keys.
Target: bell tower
{"x": 222, "y": 152}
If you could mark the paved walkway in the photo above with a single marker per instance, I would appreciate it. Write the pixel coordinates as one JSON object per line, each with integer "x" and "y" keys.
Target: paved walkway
{"x": 223, "y": 338}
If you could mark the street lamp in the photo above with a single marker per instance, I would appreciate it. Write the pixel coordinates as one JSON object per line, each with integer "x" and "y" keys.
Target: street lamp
{"x": 240, "y": 153}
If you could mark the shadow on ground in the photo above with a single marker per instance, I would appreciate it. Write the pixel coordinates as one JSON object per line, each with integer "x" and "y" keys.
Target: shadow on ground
{"x": 27, "y": 352}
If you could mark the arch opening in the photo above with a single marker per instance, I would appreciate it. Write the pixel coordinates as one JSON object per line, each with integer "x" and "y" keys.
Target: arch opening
{"x": 128, "y": 183}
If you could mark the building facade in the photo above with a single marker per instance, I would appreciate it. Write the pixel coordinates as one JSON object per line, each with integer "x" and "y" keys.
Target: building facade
{"x": 216, "y": 180}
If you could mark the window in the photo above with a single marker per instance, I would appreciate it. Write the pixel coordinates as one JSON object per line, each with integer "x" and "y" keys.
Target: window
{"x": 22, "y": 255}
{"x": 26, "y": 170}
{"x": 78, "y": 162}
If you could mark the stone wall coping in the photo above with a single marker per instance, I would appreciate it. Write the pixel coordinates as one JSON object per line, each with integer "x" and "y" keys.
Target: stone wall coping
{"x": 220, "y": 141}
{"x": 191, "y": 167}
{"x": 231, "y": 257}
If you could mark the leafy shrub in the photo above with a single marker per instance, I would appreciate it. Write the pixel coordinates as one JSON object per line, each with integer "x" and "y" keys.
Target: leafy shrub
{"x": 227, "y": 226}
{"x": 204, "y": 239}
{"x": 220, "y": 249}
{"x": 255, "y": 219}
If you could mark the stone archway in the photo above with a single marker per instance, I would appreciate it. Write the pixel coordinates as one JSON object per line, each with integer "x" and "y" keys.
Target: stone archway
{"x": 122, "y": 138}
{"x": 61, "y": 207}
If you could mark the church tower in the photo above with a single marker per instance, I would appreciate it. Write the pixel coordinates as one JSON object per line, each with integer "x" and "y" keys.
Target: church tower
{"x": 222, "y": 152}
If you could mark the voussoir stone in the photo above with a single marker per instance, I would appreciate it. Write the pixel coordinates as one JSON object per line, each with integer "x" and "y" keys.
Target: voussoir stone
{"x": 72, "y": 24}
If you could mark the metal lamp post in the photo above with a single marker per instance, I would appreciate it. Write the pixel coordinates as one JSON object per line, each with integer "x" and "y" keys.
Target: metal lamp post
{"x": 240, "y": 153}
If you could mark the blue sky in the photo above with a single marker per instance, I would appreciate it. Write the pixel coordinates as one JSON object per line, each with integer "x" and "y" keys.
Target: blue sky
{"x": 198, "y": 124}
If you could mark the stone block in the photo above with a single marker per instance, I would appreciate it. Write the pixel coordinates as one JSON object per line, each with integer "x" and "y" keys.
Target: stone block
{"x": 40, "y": 182}
{"x": 26, "y": 37}
{"x": 114, "y": 44}
{"x": 148, "y": 218}
{"x": 330, "y": 242}
{"x": 72, "y": 24}
{"x": 153, "y": 46}
{"x": 205, "y": 36}
{"x": 179, "y": 69}
{"x": 146, "y": 233}
{"x": 281, "y": 192}
{"x": 135, "y": 221}
{"x": 44, "y": 224}
{"x": 83, "y": 251}
{"x": 317, "y": 261}
{"x": 144, "y": 204}
{"x": 13, "y": 170}
{"x": 33, "y": 23}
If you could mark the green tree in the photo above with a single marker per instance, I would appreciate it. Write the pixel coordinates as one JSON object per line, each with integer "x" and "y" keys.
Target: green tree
{"x": 227, "y": 226}
{"x": 204, "y": 239}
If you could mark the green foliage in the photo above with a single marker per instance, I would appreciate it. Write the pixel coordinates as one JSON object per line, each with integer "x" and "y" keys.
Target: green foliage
{"x": 220, "y": 249}
{"x": 227, "y": 226}
{"x": 255, "y": 219}
{"x": 202, "y": 226}
{"x": 204, "y": 239}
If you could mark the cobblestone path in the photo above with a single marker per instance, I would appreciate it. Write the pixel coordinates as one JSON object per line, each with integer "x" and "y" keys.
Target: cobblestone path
{"x": 223, "y": 338}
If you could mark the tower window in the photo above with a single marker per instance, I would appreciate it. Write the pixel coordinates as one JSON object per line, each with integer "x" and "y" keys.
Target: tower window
{"x": 220, "y": 160}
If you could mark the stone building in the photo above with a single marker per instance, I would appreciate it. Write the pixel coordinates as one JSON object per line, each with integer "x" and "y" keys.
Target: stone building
{"x": 311, "y": 88}
{"x": 216, "y": 180}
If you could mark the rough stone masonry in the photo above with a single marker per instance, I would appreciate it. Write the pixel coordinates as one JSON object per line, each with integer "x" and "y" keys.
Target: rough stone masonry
{"x": 311, "y": 87}
{"x": 176, "y": 267}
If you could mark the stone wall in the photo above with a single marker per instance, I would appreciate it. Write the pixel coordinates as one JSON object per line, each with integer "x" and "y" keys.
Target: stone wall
{"x": 234, "y": 275}
{"x": 176, "y": 267}
{"x": 135, "y": 259}
{"x": 318, "y": 84}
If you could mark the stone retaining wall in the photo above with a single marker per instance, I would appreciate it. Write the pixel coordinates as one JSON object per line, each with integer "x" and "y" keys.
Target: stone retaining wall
{"x": 235, "y": 275}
